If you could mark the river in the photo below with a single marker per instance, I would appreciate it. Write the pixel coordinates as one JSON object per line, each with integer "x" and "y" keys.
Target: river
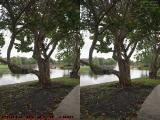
{"x": 18, "y": 78}
{"x": 85, "y": 78}
{"x": 91, "y": 79}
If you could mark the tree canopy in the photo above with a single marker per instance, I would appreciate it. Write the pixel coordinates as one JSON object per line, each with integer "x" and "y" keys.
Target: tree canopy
{"x": 120, "y": 23}
{"x": 38, "y": 26}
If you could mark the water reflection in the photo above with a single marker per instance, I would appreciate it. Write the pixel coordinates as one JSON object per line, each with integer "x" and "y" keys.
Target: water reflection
{"x": 90, "y": 78}
{"x": 18, "y": 78}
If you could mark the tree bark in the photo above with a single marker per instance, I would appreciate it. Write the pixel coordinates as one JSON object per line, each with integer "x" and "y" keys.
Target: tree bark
{"x": 123, "y": 63}
{"x": 155, "y": 64}
{"x": 124, "y": 73}
{"x": 44, "y": 72}
{"x": 43, "y": 63}
{"x": 153, "y": 70}
{"x": 76, "y": 66}
{"x": 153, "y": 74}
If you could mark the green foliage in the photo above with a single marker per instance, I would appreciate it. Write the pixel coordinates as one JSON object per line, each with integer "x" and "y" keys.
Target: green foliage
{"x": 132, "y": 19}
{"x": 148, "y": 45}
{"x": 53, "y": 20}
{"x": 69, "y": 48}
{"x": 25, "y": 39}
{"x": 143, "y": 59}
{"x": 52, "y": 61}
{"x": 103, "y": 61}
{"x": 23, "y": 60}
{"x": 105, "y": 40}
{"x": 84, "y": 69}
{"x": 2, "y": 42}
{"x": 65, "y": 57}
{"x": 70, "y": 9}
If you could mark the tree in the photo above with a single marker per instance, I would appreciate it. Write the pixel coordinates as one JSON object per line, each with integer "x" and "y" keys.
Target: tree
{"x": 92, "y": 15}
{"x": 150, "y": 52}
{"x": 113, "y": 22}
{"x": 76, "y": 53}
{"x": 70, "y": 53}
{"x": 143, "y": 59}
{"x": 44, "y": 23}
{"x": 70, "y": 47}
{"x": 149, "y": 46}
{"x": 9, "y": 20}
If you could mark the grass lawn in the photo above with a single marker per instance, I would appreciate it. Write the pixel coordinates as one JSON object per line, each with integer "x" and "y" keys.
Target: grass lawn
{"x": 4, "y": 69}
{"x": 30, "y": 97}
{"x": 84, "y": 69}
{"x": 109, "y": 102}
{"x": 3, "y": 66}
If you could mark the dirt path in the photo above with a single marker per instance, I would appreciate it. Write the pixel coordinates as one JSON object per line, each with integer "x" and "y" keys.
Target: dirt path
{"x": 150, "y": 109}
{"x": 70, "y": 106}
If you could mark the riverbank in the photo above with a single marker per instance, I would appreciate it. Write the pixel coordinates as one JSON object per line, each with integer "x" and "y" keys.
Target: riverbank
{"x": 84, "y": 69}
{"x": 4, "y": 69}
{"x": 31, "y": 98}
{"x": 109, "y": 102}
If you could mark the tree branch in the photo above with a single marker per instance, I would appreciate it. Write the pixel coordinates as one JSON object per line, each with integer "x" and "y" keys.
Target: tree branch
{"x": 17, "y": 69}
{"x": 53, "y": 48}
{"x": 132, "y": 50}
{"x": 23, "y": 10}
{"x": 98, "y": 70}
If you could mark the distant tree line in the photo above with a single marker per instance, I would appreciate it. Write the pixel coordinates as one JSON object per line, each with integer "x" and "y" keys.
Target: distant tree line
{"x": 26, "y": 61}
{"x": 103, "y": 61}
{"x": 22, "y": 60}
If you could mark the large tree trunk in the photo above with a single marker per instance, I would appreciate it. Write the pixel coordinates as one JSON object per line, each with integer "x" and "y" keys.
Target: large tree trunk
{"x": 153, "y": 74}
{"x": 76, "y": 67}
{"x": 44, "y": 72}
{"x": 123, "y": 63}
{"x": 43, "y": 63}
{"x": 154, "y": 67}
{"x": 76, "y": 64}
{"x": 124, "y": 73}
